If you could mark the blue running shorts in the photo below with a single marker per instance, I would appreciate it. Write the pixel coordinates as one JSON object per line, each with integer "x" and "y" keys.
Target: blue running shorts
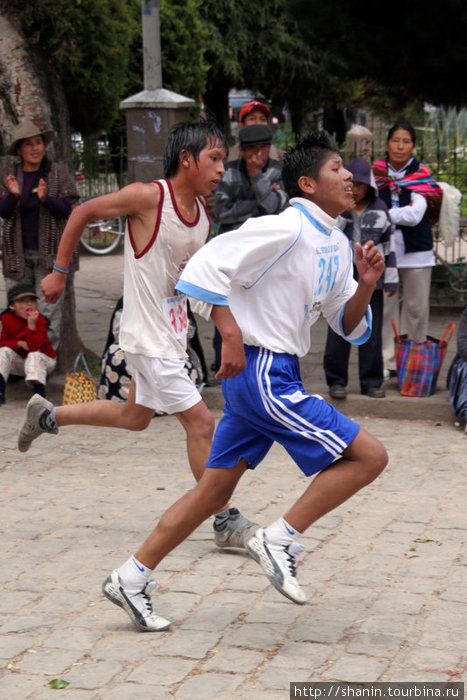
{"x": 267, "y": 403}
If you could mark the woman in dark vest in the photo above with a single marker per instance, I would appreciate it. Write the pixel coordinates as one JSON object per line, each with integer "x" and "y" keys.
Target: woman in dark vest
{"x": 414, "y": 200}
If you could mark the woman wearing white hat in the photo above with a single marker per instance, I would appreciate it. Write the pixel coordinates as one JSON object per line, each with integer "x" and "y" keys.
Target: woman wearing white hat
{"x": 36, "y": 198}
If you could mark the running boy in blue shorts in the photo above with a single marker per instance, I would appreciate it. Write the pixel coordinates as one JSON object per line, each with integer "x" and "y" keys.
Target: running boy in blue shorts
{"x": 167, "y": 223}
{"x": 264, "y": 285}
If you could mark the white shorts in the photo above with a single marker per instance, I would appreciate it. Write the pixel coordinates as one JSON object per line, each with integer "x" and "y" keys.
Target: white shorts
{"x": 163, "y": 385}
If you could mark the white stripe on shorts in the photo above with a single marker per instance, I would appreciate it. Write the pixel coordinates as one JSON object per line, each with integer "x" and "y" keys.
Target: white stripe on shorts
{"x": 288, "y": 418}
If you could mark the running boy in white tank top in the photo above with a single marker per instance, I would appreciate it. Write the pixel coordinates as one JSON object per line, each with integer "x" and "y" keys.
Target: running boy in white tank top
{"x": 167, "y": 223}
{"x": 268, "y": 282}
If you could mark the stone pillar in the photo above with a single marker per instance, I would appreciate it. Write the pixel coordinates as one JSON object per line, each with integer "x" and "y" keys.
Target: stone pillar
{"x": 358, "y": 143}
{"x": 151, "y": 113}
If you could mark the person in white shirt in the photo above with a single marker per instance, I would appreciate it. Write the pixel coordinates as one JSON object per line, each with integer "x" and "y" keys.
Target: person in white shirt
{"x": 264, "y": 285}
{"x": 414, "y": 200}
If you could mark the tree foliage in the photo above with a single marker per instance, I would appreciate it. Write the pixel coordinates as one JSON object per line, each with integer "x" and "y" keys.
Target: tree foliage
{"x": 87, "y": 44}
{"x": 415, "y": 51}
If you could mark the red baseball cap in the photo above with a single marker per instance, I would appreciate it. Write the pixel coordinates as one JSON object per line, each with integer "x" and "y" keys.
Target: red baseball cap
{"x": 250, "y": 106}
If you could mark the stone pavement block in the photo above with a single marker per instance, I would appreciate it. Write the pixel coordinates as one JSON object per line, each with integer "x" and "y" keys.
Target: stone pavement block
{"x": 276, "y": 679}
{"x": 209, "y": 685}
{"x": 255, "y": 635}
{"x": 161, "y": 670}
{"x": 356, "y": 668}
{"x": 21, "y": 687}
{"x": 50, "y": 662}
{"x": 82, "y": 639}
{"x": 189, "y": 643}
{"x": 93, "y": 674}
{"x": 434, "y": 661}
{"x": 382, "y": 645}
{"x": 227, "y": 658}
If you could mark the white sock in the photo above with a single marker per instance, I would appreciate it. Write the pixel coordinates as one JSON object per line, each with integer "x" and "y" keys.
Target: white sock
{"x": 281, "y": 533}
{"x": 133, "y": 575}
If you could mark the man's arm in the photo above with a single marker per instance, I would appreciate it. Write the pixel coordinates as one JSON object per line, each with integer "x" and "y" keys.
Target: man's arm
{"x": 269, "y": 191}
{"x": 233, "y": 359}
{"x": 230, "y": 202}
{"x": 137, "y": 201}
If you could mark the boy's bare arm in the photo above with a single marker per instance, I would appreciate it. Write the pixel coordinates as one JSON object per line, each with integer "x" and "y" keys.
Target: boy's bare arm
{"x": 138, "y": 201}
{"x": 233, "y": 359}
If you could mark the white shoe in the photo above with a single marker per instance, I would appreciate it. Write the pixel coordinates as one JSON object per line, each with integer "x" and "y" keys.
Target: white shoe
{"x": 278, "y": 563}
{"x": 138, "y": 605}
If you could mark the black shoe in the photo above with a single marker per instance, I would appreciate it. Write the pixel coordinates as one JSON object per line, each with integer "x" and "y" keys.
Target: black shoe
{"x": 374, "y": 392}
{"x": 337, "y": 391}
{"x": 2, "y": 399}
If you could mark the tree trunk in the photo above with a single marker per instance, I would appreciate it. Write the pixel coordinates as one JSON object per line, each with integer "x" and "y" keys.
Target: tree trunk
{"x": 29, "y": 90}
{"x": 216, "y": 100}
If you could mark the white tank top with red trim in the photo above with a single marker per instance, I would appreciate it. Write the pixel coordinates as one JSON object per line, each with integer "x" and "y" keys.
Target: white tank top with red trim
{"x": 154, "y": 321}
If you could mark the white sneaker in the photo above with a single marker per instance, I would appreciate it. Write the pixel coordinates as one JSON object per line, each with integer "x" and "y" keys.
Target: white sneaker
{"x": 138, "y": 605}
{"x": 278, "y": 563}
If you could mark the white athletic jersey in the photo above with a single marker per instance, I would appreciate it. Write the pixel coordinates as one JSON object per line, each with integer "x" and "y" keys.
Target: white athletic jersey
{"x": 154, "y": 320}
{"x": 277, "y": 274}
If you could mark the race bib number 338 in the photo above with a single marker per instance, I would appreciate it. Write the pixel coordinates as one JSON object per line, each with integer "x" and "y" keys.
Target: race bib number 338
{"x": 175, "y": 313}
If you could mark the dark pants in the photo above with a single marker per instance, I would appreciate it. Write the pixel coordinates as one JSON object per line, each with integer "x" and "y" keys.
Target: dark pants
{"x": 370, "y": 356}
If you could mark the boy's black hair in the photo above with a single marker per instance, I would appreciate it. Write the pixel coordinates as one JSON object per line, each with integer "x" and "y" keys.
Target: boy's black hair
{"x": 306, "y": 158}
{"x": 191, "y": 137}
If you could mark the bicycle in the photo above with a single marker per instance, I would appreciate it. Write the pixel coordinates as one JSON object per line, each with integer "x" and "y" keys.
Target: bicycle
{"x": 101, "y": 237}
{"x": 456, "y": 273}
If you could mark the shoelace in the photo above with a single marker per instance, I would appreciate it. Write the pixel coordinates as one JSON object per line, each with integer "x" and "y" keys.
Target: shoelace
{"x": 150, "y": 586}
{"x": 291, "y": 551}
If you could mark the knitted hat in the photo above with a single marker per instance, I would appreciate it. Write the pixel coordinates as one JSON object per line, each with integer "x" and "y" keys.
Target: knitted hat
{"x": 19, "y": 291}
{"x": 362, "y": 172}
{"x": 255, "y": 133}
{"x": 250, "y": 106}
{"x": 25, "y": 130}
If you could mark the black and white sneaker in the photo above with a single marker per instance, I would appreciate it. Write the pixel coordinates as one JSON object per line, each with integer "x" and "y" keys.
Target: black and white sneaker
{"x": 278, "y": 563}
{"x": 36, "y": 411}
{"x": 233, "y": 529}
{"x": 138, "y": 605}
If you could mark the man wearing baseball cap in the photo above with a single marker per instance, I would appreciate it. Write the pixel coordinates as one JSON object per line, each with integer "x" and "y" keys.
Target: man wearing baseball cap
{"x": 254, "y": 112}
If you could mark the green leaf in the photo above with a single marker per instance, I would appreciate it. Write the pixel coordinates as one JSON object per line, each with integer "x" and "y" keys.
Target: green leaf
{"x": 58, "y": 683}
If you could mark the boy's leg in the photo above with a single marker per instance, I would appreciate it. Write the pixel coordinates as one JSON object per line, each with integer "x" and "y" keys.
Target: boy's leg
{"x": 231, "y": 528}
{"x": 43, "y": 417}
{"x": 361, "y": 462}
{"x": 128, "y": 586}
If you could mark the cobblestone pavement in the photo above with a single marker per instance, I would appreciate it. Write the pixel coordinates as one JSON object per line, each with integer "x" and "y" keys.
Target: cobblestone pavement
{"x": 385, "y": 573}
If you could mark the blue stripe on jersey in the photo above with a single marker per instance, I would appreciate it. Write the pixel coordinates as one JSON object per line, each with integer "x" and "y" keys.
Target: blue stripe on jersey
{"x": 312, "y": 219}
{"x": 192, "y": 290}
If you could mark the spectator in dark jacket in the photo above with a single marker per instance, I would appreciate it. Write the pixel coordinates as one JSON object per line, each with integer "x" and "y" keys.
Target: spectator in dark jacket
{"x": 457, "y": 374}
{"x": 252, "y": 185}
{"x": 369, "y": 220}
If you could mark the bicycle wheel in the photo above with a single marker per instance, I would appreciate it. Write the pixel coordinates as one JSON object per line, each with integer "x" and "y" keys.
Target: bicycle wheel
{"x": 458, "y": 280}
{"x": 102, "y": 237}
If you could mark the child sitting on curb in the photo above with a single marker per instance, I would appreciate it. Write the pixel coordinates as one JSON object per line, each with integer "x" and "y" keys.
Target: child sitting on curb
{"x": 25, "y": 347}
